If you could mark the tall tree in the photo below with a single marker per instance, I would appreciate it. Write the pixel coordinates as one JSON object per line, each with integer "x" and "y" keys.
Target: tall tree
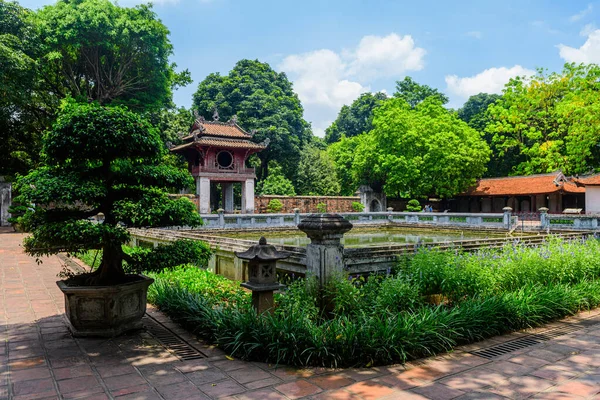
{"x": 95, "y": 50}
{"x": 550, "y": 121}
{"x": 423, "y": 151}
{"x": 355, "y": 119}
{"x": 414, "y": 93}
{"x": 20, "y": 120}
{"x": 264, "y": 101}
{"x": 316, "y": 173}
{"x": 475, "y": 113}
{"x": 342, "y": 153}
{"x": 276, "y": 183}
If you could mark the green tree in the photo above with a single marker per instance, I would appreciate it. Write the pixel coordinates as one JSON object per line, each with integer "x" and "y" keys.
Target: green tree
{"x": 422, "y": 151}
{"x": 100, "y": 160}
{"x": 276, "y": 183}
{"x": 355, "y": 119}
{"x": 264, "y": 101}
{"x": 316, "y": 173}
{"x": 342, "y": 153}
{"x": 20, "y": 120}
{"x": 475, "y": 113}
{"x": 96, "y": 50}
{"x": 550, "y": 121}
{"x": 414, "y": 93}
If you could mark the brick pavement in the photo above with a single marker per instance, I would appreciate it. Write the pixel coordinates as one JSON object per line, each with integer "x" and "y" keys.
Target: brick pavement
{"x": 40, "y": 360}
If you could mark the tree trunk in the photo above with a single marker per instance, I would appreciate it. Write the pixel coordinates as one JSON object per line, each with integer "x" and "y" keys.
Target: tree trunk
{"x": 111, "y": 270}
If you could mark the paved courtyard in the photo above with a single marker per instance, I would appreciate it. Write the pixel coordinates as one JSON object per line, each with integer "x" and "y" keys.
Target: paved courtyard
{"x": 40, "y": 360}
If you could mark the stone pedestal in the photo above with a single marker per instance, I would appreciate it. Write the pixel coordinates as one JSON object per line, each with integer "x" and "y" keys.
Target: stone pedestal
{"x": 544, "y": 221}
{"x": 325, "y": 253}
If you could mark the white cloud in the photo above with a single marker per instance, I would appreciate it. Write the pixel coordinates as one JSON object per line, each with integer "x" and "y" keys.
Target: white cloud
{"x": 491, "y": 80}
{"x": 587, "y": 30}
{"x": 326, "y": 80}
{"x": 588, "y": 53}
{"x": 581, "y": 14}
{"x": 474, "y": 34}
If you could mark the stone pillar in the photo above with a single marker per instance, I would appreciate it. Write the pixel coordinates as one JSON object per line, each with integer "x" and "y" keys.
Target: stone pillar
{"x": 390, "y": 216}
{"x": 5, "y": 201}
{"x": 221, "y": 213}
{"x": 544, "y": 221}
{"x": 203, "y": 192}
{"x": 297, "y": 216}
{"x": 507, "y": 219}
{"x": 325, "y": 253}
{"x": 228, "y": 196}
{"x": 248, "y": 196}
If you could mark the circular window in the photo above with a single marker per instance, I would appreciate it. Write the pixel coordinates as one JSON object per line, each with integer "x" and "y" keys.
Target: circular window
{"x": 224, "y": 159}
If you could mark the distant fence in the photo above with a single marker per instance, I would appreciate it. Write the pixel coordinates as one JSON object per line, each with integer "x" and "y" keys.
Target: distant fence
{"x": 307, "y": 204}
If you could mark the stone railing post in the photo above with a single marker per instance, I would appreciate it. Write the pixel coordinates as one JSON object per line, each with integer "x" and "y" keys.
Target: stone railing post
{"x": 506, "y": 219}
{"x": 544, "y": 220}
{"x": 390, "y": 215}
{"x": 221, "y": 213}
{"x": 325, "y": 252}
{"x": 297, "y": 216}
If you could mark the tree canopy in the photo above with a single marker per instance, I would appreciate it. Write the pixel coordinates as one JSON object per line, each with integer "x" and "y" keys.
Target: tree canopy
{"x": 316, "y": 173}
{"x": 276, "y": 183}
{"x": 414, "y": 93}
{"x": 264, "y": 101}
{"x": 354, "y": 119}
{"x": 100, "y": 160}
{"x": 550, "y": 121}
{"x": 419, "y": 152}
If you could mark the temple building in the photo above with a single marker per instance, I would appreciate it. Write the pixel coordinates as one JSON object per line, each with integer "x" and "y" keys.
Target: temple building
{"x": 592, "y": 193}
{"x": 554, "y": 191}
{"x": 216, "y": 152}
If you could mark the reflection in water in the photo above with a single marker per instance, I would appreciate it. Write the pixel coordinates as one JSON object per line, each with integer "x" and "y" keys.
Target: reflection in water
{"x": 362, "y": 238}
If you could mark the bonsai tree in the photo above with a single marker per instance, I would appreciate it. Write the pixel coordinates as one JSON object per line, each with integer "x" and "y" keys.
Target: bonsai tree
{"x": 100, "y": 160}
{"x": 413, "y": 205}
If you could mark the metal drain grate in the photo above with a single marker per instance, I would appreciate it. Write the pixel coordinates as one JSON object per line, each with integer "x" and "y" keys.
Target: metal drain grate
{"x": 518, "y": 344}
{"x": 171, "y": 341}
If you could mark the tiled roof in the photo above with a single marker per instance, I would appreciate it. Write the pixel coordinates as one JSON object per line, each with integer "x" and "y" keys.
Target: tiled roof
{"x": 525, "y": 185}
{"x": 591, "y": 180}
{"x": 232, "y": 144}
{"x": 215, "y": 128}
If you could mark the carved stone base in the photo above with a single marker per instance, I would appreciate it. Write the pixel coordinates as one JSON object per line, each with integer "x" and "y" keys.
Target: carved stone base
{"x": 105, "y": 311}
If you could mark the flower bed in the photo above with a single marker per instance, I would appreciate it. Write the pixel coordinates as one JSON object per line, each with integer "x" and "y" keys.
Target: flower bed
{"x": 389, "y": 319}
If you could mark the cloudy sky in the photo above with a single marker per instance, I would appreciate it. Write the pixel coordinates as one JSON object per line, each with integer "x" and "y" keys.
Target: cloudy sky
{"x": 334, "y": 50}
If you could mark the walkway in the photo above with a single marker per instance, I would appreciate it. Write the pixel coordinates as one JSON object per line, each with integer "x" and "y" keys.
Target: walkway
{"x": 40, "y": 360}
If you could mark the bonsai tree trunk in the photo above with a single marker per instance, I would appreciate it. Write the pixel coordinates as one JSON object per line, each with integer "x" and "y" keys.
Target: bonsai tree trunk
{"x": 110, "y": 271}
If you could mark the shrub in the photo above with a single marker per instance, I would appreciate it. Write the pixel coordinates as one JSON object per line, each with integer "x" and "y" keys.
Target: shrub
{"x": 321, "y": 208}
{"x": 179, "y": 252}
{"x": 413, "y": 206}
{"x": 357, "y": 206}
{"x": 384, "y": 319}
{"x": 274, "y": 206}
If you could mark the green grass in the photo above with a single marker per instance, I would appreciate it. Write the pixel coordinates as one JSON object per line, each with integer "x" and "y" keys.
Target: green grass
{"x": 390, "y": 319}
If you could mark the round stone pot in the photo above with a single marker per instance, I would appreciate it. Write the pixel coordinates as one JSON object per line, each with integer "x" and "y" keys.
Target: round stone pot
{"x": 105, "y": 311}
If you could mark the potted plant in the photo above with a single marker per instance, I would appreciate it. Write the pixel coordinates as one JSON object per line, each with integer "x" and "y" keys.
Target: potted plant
{"x": 101, "y": 160}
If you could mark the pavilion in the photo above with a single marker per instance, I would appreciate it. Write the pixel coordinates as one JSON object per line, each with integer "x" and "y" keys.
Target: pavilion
{"x": 554, "y": 191}
{"x": 216, "y": 152}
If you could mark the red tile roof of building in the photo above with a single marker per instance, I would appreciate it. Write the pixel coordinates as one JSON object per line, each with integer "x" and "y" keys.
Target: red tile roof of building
{"x": 525, "y": 185}
{"x": 214, "y": 128}
{"x": 218, "y": 142}
{"x": 592, "y": 180}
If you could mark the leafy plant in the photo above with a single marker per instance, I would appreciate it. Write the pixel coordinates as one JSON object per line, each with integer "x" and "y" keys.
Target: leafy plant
{"x": 413, "y": 206}
{"x": 100, "y": 160}
{"x": 274, "y": 206}
{"x": 321, "y": 208}
{"x": 276, "y": 183}
{"x": 357, "y": 206}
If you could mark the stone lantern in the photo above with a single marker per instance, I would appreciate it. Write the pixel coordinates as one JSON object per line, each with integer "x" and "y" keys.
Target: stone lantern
{"x": 262, "y": 273}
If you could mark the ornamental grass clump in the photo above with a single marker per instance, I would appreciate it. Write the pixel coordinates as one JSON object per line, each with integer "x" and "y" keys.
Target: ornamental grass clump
{"x": 101, "y": 161}
{"x": 389, "y": 319}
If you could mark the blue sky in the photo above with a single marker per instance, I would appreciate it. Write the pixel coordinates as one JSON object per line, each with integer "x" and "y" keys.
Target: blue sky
{"x": 335, "y": 50}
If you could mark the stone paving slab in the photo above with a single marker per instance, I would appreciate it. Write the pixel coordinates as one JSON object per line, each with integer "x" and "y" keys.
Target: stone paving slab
{"x": 39, "y": 359}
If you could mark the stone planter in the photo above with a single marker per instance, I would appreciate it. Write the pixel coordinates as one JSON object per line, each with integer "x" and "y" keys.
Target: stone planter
{"x": 105, "y": 311}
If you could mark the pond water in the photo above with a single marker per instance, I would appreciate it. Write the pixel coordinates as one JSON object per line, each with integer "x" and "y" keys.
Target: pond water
{"x": 369, "y": 236}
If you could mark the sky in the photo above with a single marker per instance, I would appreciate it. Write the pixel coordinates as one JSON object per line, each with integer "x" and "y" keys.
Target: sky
{"x": 334, "y": 50}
